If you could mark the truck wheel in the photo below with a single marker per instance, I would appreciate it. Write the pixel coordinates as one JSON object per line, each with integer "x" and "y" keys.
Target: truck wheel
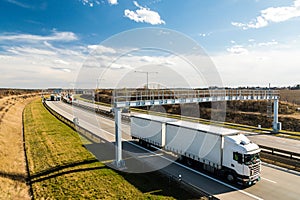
{"x": 230, "y": 177}
{"x": 180, "y": 159}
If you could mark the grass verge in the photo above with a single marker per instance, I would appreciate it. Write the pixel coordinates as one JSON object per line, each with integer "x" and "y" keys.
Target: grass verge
{"x": 60, "y": 167}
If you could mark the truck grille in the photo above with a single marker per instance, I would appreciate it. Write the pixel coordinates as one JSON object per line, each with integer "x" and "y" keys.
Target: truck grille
{"x": 255, "y": 169}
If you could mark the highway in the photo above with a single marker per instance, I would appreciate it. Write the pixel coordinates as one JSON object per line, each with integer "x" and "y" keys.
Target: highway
{"x": 275, "y": 183}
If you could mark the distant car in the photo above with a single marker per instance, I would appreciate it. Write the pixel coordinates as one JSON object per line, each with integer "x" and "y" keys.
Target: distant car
{"x": 76, "y": 120}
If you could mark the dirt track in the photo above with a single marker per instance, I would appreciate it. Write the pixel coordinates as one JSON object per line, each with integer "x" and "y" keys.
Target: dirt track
{"x": 12, "y": 165}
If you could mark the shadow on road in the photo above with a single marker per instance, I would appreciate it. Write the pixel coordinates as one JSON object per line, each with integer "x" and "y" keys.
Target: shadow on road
{"x": 142, "y": 170}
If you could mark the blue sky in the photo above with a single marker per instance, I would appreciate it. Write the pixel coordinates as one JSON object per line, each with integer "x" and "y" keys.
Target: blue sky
{"x": 251, "y": 42}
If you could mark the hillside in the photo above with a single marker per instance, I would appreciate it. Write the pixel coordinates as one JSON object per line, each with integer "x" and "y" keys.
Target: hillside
{"x": 291, "y": 96}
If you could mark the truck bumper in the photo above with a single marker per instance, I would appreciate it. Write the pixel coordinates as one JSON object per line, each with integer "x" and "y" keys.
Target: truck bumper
{"x": 249, "y": 180}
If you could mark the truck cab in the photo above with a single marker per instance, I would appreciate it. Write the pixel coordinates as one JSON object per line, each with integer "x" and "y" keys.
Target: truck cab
{"x": 241, "y": 160}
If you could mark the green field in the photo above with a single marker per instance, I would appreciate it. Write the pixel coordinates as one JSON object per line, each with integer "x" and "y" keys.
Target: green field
{"x": 61, "y": 168}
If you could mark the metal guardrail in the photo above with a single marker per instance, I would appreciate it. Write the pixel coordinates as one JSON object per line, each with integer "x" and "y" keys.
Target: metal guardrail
{"x": 280, "y": 152}
{"x": 179, "y": 180}
{"x": 90, "y": 135}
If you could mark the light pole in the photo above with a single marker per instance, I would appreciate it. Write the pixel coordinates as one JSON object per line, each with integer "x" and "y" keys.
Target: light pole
{"x": 147, "y": 73}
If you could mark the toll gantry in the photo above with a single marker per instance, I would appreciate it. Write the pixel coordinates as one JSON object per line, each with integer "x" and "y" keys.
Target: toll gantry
{"x": 126, "y": 98}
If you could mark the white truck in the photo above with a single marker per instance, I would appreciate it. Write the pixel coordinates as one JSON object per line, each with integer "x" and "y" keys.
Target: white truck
{"x": 222, "y": 151}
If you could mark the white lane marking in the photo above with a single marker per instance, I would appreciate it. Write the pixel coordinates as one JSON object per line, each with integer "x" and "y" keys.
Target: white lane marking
{"x": 183, "y": 166}
{"x": 149, "y": 156}
{"x": 268, "y": 180}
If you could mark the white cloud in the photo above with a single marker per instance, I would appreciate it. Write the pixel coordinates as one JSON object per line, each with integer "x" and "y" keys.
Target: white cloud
{"x": 258, "y": 68}
{"x": 272, "y": 15}
{"x": 144, "y": 15}
{"x": 100, "y": 49}
{"x": 120, "y": 66}
{"x": 29, "y": 51}
{"x": 237, "y": 49}
{"x": 56, "y": 36}
{"x": 147, "y": 59}
{"x": 59, "y": 61}
{"x": 113, "y": 2}
{"x": 204, "y": 34}
{"x": 169, "y": 63}
{"x": 90, "y": 3}
{"x": 61, "y": 69}
{"x": 273, "y": 42}
{"x": 19, "y": 3}
{"x": 32, "y": 61}
{"x": 264, "y": 62}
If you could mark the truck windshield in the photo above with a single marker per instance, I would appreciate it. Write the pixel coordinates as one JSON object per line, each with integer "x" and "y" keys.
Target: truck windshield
{"x": 251, "y": 158}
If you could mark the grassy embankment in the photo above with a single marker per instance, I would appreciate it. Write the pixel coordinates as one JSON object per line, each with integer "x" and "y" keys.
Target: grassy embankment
{"x": 60, "y": 167}
{"x": 12, "y": 164}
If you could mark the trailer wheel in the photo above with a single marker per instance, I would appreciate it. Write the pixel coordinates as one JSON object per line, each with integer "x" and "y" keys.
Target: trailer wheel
{"x": 230, "y": 177}
{"x": 147, "y": 145}
{"x": 141, "y": 142}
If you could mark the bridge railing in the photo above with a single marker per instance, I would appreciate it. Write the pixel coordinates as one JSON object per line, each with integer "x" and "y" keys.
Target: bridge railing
{"x": 126, "y": 95}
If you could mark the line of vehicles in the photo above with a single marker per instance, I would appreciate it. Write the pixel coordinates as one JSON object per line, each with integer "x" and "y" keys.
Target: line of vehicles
{"x": 59, "y": 97}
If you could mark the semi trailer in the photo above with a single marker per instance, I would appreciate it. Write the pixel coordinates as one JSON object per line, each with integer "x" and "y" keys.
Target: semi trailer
{"x": 222, "y": 151}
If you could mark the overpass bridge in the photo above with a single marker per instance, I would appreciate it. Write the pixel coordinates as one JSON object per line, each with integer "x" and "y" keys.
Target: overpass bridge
{"x": 124, "y": 98}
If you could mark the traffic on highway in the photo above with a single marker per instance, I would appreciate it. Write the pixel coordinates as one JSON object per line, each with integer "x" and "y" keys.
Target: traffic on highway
{"x": 275, "y": 183}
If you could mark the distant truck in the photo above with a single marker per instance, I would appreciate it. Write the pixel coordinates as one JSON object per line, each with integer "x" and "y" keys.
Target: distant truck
{"x": 222, "y": 151}
{"x": 52, "y": 97}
